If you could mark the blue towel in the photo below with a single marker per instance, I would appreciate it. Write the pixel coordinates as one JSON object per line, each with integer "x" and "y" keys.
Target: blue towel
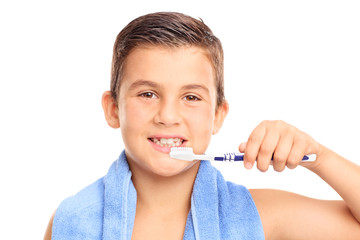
{"x": 106, "y": 208}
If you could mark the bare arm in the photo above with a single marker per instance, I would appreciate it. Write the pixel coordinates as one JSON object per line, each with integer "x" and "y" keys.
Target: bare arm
{"x": 342, "y": 175}
{"x": 290, "y": 216}
{"x": 49, "y": 228}
{"x": 286, "y": 215}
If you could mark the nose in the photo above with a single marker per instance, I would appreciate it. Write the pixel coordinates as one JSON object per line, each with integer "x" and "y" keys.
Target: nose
{"x": 168, "y": 114}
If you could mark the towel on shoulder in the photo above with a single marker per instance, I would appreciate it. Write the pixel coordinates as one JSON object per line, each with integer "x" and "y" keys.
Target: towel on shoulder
{"x": 106, "y": 209}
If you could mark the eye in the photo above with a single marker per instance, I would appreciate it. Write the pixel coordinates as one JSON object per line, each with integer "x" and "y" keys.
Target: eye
{"x": 191, "y": 98}
{"x": 147, "y": 95}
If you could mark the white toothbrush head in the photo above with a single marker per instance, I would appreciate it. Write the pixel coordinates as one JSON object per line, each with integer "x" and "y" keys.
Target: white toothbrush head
{"x": 182, "y": 153}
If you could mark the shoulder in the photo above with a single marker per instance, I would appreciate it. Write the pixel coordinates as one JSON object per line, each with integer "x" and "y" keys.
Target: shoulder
{"x": 287, "y": 209}
{"x": 242, "y": 216}
{"x": 242, "y": 200}
{"x": 90, "y": 196}
{"x": 272, "y": 205}
{"x": 234, "y": 187}
{"x": 81, "y": 214}
{"x": 239, "y": 191}
{"x": 87, "y": 197}
{"x": 272, "y": 202}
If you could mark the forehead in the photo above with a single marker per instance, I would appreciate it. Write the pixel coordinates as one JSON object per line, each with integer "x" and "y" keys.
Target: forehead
{"x": 168, "y": 65}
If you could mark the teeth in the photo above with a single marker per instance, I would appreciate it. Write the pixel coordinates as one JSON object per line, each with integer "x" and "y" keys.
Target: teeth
{"x": 168, "y": 142}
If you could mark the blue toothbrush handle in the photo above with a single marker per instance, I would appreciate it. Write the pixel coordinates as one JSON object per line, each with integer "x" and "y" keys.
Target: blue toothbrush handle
{"x": 240, "y": 157}
{"x": 230, "y": 157}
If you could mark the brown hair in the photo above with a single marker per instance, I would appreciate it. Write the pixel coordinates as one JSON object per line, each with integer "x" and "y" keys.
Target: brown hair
{"x": 168, "y": 29}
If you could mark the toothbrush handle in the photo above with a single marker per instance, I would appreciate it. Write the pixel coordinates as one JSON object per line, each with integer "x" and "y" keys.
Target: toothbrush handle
{"x": 230, "y": 157}
{"x": 240, "y": 157}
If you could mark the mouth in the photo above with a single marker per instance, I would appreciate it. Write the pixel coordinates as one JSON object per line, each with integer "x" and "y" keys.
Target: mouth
{"x": 168, "y": 142}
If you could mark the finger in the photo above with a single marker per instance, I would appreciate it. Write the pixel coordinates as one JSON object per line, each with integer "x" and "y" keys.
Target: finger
{"x": 267, "y": 149}
{"x": 296, "y": 154}
{"x": 253, "y": 146}
{"x": 242, "y": 147}
{"x": 282, "y": 152}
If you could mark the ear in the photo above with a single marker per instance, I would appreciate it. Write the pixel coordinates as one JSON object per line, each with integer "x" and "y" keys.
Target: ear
{"x": 111, "y": 110}
{"x": 220, "y": 115}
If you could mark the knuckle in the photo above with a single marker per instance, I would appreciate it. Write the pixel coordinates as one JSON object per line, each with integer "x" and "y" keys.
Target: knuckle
{"x": 265, "y": 122}
{"x": 301, "y": 138}
{"x": 291, "y": 129}
{"x": 279, "y": 158}
{"x": 276, "y": 123}
{"x": 266, "y": 149}
{"x": 254, "y": 139}
{"x": 307, "y": 142}
{"x": 263, "y": 163}
{"x": 279, "y": 123}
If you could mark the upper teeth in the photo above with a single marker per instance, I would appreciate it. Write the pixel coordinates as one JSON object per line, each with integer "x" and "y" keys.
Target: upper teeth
{"x": 169, "y": 142}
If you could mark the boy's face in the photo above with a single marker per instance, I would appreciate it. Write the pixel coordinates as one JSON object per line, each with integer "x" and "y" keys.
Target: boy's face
{"x": 167, "y": 98}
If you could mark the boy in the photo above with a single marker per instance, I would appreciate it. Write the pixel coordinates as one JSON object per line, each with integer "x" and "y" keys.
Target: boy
{"x": 166, "y": 91}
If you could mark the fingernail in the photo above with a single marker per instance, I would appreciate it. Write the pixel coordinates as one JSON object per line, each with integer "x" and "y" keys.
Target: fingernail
{"x": 248, "y": 165}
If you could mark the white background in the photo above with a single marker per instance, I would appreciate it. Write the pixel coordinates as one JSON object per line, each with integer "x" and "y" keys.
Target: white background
{"x": 298, "y": 61}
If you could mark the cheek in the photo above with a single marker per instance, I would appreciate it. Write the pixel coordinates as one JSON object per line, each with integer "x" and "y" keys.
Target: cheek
{"x": 201, "y": 124}
{"x": 132, "y": 116}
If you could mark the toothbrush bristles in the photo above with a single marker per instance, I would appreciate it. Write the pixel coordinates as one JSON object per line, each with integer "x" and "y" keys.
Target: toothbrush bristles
{"x": 182, "y": 153}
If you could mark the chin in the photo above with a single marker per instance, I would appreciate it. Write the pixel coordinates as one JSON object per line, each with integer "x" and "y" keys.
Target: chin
{"x": 157, "y": 164}
{"x": 168, "y": 167}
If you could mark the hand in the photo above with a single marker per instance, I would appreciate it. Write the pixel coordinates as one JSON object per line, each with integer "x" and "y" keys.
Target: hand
{"x": 285, "y": 143}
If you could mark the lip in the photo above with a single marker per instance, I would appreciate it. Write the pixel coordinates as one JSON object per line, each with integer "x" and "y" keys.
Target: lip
{"x": 165, "y": 149}
{"x": 168, "y": 136}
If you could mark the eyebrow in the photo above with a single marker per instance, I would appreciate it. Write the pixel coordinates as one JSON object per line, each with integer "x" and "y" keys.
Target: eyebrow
{"x": 152, "y": 84}
{"x": 139, "y": 83}
{"x": 195, "y": 86}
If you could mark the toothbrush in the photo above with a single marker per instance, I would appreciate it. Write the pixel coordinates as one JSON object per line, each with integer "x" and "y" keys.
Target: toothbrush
{"x": 187, "y": 154}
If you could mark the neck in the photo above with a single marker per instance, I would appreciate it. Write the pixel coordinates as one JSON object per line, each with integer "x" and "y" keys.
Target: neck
{"x": 164, "y": 195}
